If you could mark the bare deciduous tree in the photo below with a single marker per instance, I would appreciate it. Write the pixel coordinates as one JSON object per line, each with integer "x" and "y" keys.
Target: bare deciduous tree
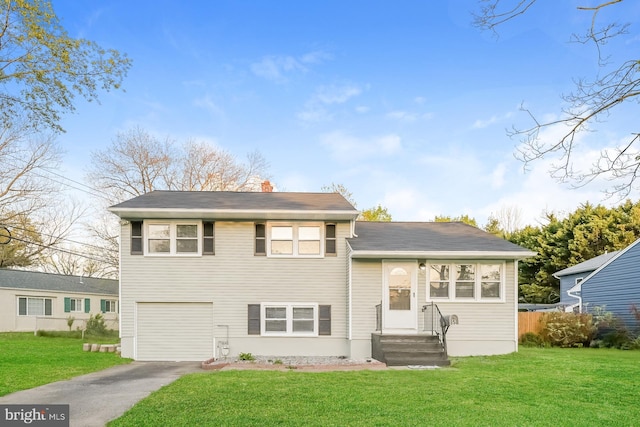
{"x": 138, "y": 162}
{"x": 617, "y": 84}
{"x": 508, "y": 219}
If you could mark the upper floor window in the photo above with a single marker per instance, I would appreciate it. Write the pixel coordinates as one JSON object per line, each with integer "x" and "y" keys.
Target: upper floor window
{"x": 466, "y": 281}
{"x": 178, "y": 238}
{"x": 303, "y": 240}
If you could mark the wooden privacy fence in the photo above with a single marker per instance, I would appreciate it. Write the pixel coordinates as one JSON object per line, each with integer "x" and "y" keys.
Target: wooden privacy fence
{"x": 529, "y": 321}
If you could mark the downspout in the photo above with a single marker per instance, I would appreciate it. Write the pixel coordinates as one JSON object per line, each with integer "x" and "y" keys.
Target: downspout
{"x": 576, "y": 296}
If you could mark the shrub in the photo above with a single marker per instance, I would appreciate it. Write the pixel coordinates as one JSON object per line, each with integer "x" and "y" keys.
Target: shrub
{"x": 246, "y": 356}
{"x": 96, "y": 325}
{"x": 567, "y": 329}
{"x": 531, "y": 339}
{"x": 610, "y": 330}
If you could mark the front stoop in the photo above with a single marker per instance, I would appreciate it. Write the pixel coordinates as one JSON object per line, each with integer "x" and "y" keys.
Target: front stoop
{"x": 405, "y": 350}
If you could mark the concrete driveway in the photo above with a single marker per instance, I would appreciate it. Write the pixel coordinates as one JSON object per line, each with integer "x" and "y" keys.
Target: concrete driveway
{"x": 97, "y": 398}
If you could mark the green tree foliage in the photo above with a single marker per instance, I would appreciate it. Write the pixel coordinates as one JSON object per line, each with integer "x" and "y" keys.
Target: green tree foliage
{"x": 376, "y": 213}
{"x": 25, "y": 245}
{"x": 560, "y": 243}
{"x": 461, "y": 218}
{"x": 42, "y": 69}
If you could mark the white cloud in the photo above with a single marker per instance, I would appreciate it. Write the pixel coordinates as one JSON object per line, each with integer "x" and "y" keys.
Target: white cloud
{"x": 208, "y": 104}
{"x": 336, "y": 94}
{"x": 362, "y": 109}
{"x": 276, "y": 68}
{"x": 343, "y": 146}
{"x": 316, "y": 57}
{"x": 315, "y": 109}
{"x": 497, "y": 176}
{"x": 420, "y": 100}
{"x": 480, "y": 124}
{"x": 406, "y": 116}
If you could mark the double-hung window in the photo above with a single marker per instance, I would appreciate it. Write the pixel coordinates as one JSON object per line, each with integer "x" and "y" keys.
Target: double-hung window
{"x": 34, "y": 306}
{"x": 289, "y": 319}
{"x": 75, "y": 305}
{"x": 466, "y": 281}
{"x": 108, "y": 305}
{"x": 294, "y": 240}
{"x": 177, "y": 238}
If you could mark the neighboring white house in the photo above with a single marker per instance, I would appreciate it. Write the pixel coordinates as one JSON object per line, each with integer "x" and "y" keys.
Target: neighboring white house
{"x": 32, "y": 300}
{"x": 214, "y": 274}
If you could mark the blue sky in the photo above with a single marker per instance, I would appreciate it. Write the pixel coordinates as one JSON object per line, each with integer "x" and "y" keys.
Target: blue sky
{"x": 405, "y": 103}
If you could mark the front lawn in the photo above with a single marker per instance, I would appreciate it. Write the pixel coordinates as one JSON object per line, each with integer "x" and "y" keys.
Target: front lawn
{"x": 568, "y": 387}
{"x": 27, "y": 361}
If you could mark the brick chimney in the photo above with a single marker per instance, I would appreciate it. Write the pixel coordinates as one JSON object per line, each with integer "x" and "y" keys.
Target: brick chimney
{"x": 267, "y": 187}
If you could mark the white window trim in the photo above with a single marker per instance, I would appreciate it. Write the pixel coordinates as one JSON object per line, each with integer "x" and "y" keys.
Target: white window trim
{"x": 172, "y": 238}
{"x": 578, "y": 280}
{"x": 295, "y": 226}
{"x": 289, "y": 318}
{"x": 28, "y": 314}
{"x": 477, "y": 286}
{"x": 79, "y": 307}
{"x": 112, "y": 303}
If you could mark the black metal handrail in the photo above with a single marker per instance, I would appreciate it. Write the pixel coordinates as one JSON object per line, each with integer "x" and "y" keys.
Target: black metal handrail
{"x": 437, "y": 324}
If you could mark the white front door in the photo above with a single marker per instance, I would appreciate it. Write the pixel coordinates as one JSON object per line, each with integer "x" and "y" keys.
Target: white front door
{"x": 399, "y": 302}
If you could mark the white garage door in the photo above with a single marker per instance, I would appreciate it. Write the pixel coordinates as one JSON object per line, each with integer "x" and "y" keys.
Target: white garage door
{"x": 174, "y": 331}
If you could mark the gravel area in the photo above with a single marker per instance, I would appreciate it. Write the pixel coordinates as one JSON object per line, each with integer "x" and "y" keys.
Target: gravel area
{"x": 315, "y": 364}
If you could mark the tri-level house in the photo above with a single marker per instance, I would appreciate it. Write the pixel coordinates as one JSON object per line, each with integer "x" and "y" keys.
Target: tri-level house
{"x": 214, "y": 274}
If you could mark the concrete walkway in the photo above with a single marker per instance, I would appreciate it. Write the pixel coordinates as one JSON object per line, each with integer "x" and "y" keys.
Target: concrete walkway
{"x": 97, "y": 398}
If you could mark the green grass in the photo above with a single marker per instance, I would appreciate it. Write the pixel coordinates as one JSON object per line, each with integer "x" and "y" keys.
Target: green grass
{"x": 568, "y": 387}
{"x": 27, "y": 361}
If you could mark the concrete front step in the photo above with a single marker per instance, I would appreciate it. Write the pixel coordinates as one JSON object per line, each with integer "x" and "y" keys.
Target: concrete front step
{"x": 404, "y": 350}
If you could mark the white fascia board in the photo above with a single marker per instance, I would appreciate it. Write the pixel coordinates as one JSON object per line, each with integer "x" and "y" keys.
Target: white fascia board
{"x": 234, "y": 214}
{"x": 443, "y": 254}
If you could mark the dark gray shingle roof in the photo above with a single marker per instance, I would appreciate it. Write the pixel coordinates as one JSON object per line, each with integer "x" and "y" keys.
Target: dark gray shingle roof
{"x": 57, "y": 282}
{"x": 588, "y": 265}
{"x": 428, "y": 237}
{"x": 229, "y": 200}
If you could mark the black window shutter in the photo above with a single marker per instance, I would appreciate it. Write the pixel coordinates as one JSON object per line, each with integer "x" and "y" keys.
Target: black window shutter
{"x": 253, "y": 320}
{"x": 324, "y": 320}
{"x": 208, "y": 238}
{"x": 261, "y": 239}
{"x": 136, "y": 237}
{"x": 330, "y": 239}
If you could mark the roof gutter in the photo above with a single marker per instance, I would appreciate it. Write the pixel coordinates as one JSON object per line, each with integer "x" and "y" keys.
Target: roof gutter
{"x": 443, "y": 254}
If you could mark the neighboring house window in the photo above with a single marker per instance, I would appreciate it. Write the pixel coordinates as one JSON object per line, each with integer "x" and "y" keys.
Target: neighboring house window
{"x": 466, "y": 281}
{"x": 330, "y": 247}
{"x": 108, "y": 306}
{"x": 34, "y": 306}
{"x": 73, "y": 305}
{"x": 176, "y": 238}
{"x": 208, "y": 238}
{"x": 289, "y": 319}
{"x": 303, "y": 240}
{"x": 136, "y": 238}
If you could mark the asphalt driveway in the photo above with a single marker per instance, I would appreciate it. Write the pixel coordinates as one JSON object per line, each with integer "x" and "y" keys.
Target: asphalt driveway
{"x": 95, "y": 399}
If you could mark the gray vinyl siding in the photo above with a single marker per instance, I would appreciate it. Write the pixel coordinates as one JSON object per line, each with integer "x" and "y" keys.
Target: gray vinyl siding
{"x": 616, "y": 287}
{"x": 233, "y": 278}
{"x": 485, "y": 327}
